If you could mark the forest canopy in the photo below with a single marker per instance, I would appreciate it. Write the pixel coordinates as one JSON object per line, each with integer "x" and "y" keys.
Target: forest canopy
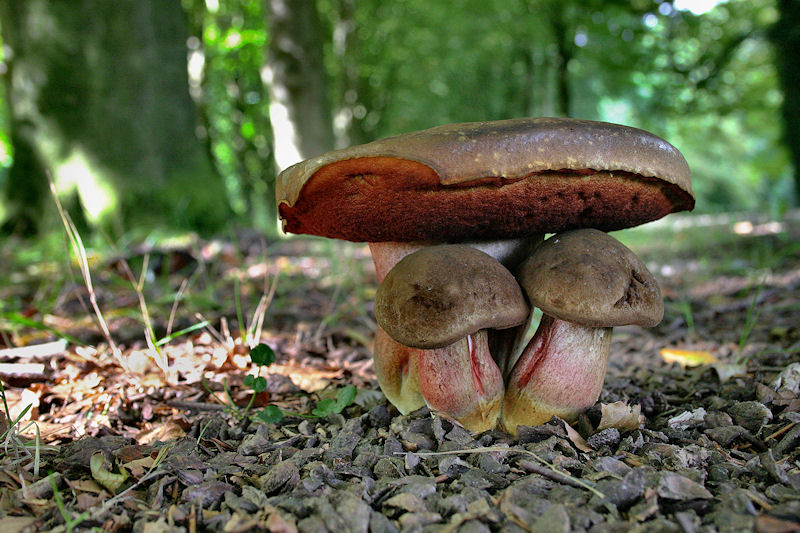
{"x": 149, "y": 115}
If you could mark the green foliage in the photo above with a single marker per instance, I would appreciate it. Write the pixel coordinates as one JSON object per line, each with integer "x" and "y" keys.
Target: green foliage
{"x": 344, "y": 397}
{"x": 263, "y": 356}
{"x": 228, "y": 50}
{"x": 706, "y": 82}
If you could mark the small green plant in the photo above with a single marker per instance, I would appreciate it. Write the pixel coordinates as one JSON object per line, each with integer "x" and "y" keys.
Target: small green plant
{"x": 70, "y": 522}
{"x": 344, "y": 397}
{"x": 685, "y": 307}
{"x": 263, "y": 356}
{"x": 12, "y": 443}
{"x": 750, "y": 321}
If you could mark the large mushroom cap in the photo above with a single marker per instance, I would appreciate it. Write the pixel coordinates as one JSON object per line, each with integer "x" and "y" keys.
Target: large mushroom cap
{"x": 590, "y": 278}
{"x": 440, "y": 294}
{"x": 487, "y": 180}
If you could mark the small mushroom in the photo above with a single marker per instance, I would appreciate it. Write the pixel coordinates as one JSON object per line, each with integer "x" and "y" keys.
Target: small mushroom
{"x": 440, "y": 301}
{"x": 395, "y": 364}
{"x": 585, "y": 282}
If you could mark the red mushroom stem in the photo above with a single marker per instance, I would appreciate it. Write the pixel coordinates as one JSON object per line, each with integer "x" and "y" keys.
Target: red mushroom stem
{"x": 560, "y": 372}
{"x": 461, "y": 381}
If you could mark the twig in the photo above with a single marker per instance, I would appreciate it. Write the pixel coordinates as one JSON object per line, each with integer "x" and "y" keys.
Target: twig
{"x": 551, "y": 469}
{"x": 550, "y": 474}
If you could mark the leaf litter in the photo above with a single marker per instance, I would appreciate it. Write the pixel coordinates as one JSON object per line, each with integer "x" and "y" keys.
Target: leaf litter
{"x": 669, "y": 447}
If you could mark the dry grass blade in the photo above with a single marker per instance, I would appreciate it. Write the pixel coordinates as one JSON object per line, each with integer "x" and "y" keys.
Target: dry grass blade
{"x": 80, "y": 252}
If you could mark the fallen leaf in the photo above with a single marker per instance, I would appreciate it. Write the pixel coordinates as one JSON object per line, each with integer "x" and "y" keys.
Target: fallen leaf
{"x": 139, "y": 467}
{"x": 687, "y": 357}
{"x": 102, "y": 473}
{"x": 726, "y": 371}
{"x": 577, "y": 440}
{"x": 85, "y": 485}
{"x": 621, "y": 416}
{"x": 17, "y": 524}
{"x": 789, "y": 378}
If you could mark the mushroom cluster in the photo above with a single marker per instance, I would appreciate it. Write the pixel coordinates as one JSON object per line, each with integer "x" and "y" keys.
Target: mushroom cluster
{"x": 455, "y": 217}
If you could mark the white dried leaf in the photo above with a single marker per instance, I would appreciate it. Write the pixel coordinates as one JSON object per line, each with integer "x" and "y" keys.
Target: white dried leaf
{"x": 621, "y": 416}
{"x": 687, "y": 419}
{"x": 789, "y": 378}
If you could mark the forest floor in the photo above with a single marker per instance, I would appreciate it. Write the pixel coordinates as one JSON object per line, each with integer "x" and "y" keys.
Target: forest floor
{"x": 150, "y": 427}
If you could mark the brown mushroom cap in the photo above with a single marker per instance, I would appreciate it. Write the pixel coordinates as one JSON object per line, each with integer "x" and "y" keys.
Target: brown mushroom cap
{"x": 440, "y": 294}
{"x": 487, "y": 180}
{"x": 590, "y": 278}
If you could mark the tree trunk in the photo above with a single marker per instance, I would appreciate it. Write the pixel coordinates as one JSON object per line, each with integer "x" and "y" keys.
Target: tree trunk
{"x": 299, "y": 107}
{"x": 565, "y": 52}
{"x": 98, "y": 93}
{"x": 785, "y": 36}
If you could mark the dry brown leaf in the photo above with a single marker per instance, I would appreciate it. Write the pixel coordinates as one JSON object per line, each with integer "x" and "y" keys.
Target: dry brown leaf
{"x": 621, "y": 416}
{"x": 577, "y": 440}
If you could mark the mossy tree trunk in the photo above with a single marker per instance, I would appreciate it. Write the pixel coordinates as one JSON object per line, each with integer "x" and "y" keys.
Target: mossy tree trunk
{"x": 98, "y": 93}
{"x": 785, "y": 36}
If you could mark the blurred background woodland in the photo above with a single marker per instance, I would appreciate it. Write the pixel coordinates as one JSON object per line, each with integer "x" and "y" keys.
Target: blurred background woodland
{"x": 155, "y": 114}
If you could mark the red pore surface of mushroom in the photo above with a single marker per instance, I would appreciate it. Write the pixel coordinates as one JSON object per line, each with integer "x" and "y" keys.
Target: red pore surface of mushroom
{"x": 487, "y": 180}
{"x": 386, "y": 199}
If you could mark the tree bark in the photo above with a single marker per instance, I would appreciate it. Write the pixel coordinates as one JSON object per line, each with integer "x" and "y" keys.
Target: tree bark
{"x": 785, "y": 36}
{"x": 98, "y": 93}
{"x": 300, "y": 111}
{"x": 562, "y": 35}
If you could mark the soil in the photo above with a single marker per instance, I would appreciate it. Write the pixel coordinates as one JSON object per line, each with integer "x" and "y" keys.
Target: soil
{"x": 670, "y": 446}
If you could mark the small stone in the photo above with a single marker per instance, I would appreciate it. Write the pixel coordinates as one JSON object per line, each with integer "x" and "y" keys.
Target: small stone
{"x": 380, "y": 523}
{"x": 473, "y": 526}
{"x": 688, "y": 520}
{"x": 611, "y": 465}
{"x": 491, "y": 464}
{"x": 750, "y": 415}
{"x": 717, "y": 419}
{"x": 353, "y": 510}
{"x": 255, "y": 444}
{"x": 624, "y": 493}
{"x": 379, "y": 416}
{"x": 718, "y": 473}
{"x": 453, "y": 504}
{"x": 413, "y": 521}
{"x": 674, "y": 486}
{"x": 606, "y": 437}
{"x": 725, "y": 435}
{"x": 281, "y": 477}
{"x": 452, "y": 465}
{"x": 206, "y": 493}
{"x": 555, "y": 519}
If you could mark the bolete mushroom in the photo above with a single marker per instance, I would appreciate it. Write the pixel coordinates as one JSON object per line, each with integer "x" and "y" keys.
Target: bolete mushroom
{"x": 441, "y": 300}
{"x": 480, "y": 181}
{"x": 396, "y": 364}
{"x": 585, "y": 282}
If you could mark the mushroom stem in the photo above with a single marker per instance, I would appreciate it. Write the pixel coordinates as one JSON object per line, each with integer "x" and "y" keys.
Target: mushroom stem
{"x": 462, "y": 382}
{"x": 385, "y": 255}
{"x": 560, "y": 372}
{"x": 396, "y": 368}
